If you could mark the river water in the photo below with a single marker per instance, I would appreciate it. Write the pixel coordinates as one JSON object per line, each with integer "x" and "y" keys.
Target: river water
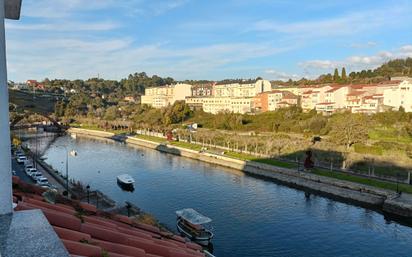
{"x": 251, "y": 217}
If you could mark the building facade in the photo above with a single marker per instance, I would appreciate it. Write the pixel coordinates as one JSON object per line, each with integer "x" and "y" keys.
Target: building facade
{"x": 399, "y": 96}
{"x": 164, "y": 96}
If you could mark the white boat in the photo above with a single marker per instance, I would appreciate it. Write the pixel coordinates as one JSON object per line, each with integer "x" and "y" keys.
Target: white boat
{"x": 125, "y": 179}
{"x": 190, "y": 223}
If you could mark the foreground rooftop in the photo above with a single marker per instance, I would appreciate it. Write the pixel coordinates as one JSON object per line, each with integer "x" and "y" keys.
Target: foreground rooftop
{"x": 85, "y": 231}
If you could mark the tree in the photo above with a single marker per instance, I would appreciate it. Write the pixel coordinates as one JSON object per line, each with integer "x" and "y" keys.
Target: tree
{"x": 111, "y": 113}
{"x": 347, "y": 130}
{"x": 343, "y": 74}
{"x": 336, "y": 75}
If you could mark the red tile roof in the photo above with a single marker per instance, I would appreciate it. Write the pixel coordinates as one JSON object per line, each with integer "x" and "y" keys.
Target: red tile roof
{"x": 85, "y": 232}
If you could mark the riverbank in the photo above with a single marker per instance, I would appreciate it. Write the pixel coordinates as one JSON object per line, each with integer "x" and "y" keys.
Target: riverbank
{"x": 372, "y": 197}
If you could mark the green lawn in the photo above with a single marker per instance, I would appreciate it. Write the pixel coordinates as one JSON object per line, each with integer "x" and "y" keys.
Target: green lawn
{"x": 365, "y": 181}
{"x": 186, "y": 145}
{"x": 151, "y": 138}
{"x": 248, "y": 157}
{"x": 388, "y": 135}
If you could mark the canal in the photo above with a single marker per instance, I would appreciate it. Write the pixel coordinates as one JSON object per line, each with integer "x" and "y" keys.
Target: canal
{"x": 251, "y": 217}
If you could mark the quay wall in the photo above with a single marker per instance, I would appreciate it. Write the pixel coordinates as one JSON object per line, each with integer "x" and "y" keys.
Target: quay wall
{"x": 383, "y": 200}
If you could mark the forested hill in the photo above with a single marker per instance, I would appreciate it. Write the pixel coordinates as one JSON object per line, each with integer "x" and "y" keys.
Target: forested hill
{"x": 393, "y": 68}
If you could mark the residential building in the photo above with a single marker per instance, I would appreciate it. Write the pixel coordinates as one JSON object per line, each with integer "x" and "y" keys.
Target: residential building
{"x": 275, "y": 99}
{"x": 159, "y": 97}
{"x": 203, "y": 90}
{"x": 242, "y": 90}
{"x": 400, "y": 95}
{"x": 334, "y": 99}
{"x": 370, "y": 104}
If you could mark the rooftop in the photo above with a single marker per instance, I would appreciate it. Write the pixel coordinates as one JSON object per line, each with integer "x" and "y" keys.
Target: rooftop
{"x": 86, "y": 231}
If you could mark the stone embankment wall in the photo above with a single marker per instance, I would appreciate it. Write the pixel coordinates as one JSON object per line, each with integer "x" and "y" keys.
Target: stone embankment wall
{"x": 342, "y": 190}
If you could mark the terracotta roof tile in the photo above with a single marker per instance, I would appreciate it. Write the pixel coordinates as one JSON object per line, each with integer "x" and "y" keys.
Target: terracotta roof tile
{"x": 72, "y": 235}
{"x": 82, "y": 248}
{"x": 120, "y": 249}
{"x": 91, "y": 235}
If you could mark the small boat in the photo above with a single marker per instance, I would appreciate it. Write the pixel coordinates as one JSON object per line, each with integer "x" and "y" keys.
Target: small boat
{"x": 190, "y": 223}
{"x": 126, "y": 182}
{"x": 125, "y": 179}
{"x": 73, "y": 153}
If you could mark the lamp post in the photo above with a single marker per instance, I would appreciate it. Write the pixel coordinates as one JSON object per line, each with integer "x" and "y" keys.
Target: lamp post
{"x": 67, "y": 167}
{"x": 9, "y": 9}
{"x": 88, "y": 193}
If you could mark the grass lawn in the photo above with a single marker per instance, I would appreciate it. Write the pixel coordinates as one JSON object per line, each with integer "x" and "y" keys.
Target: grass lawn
{"x": 186, "y": 145}
{"x": 388, "y": 135}
{"x": 365, "y": 181}
{"x": 248, "y": 157}
{"x": 151, "y": 138}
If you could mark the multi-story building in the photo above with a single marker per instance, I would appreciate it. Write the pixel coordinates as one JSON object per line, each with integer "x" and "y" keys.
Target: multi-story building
{"x": 314, "y": 96}
{"x": 202, "y": 90}
{"x": 369, "y": 104}
{"x": 159, "y": 97}
{"x": 334, "y": 99}
{"x": 400, "y": 95}
{"x": 275, "y": 99}
{"x": 242, "y": 90}
{"x": 237, "y": 98}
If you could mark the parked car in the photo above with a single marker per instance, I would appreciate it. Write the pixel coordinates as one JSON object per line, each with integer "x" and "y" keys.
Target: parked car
{"x": 36, "y": 175}
{"x": 30, "y": 171}
{"x": 21, "y": 160}
{"x": 27, "y": 166}
{"x": 42, "y": 181}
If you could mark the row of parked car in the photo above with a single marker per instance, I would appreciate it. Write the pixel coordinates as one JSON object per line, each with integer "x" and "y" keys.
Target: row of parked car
{"x": 30, "y": 170}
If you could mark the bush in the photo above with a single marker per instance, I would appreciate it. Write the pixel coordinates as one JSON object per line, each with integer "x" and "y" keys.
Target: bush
{"x": 365, "y": 149}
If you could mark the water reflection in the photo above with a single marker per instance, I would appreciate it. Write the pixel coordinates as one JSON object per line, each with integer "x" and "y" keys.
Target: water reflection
{"x": 252, "y": 217}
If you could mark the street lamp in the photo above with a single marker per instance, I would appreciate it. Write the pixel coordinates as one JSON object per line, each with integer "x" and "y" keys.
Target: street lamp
{"x": 88, "y": 193}
{"x": 67, "y": 166}
{"x": 9, "y": 9}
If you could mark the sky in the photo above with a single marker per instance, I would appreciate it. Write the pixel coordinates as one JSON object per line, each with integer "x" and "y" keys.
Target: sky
{"x": 205, "y": 39}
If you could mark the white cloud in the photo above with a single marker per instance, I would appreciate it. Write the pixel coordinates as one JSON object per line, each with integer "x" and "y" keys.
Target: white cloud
{"x": 280, "y": 75}
{"x": 369, "y": 44}
{"x": 83, "y": 58}
{"x": 348, "y": 24}
{"x": 357, "y": 62}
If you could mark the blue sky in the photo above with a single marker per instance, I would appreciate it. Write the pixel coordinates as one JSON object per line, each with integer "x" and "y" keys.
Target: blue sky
{"x": 204, "y": 39}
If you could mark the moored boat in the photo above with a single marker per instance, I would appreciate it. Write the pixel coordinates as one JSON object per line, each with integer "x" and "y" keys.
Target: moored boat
{"x": 191, "y": 224}
{"x": 126, "y": 182}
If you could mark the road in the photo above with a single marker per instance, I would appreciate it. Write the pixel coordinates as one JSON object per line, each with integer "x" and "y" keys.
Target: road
{"x": 19, "y": 169}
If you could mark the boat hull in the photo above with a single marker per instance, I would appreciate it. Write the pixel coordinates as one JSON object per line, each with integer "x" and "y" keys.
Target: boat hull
{"x": 203, "y": 240}
{"x": 125, "y": 186}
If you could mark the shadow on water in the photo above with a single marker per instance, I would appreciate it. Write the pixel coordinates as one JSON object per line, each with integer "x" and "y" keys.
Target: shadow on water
{"x": 127, "y": 188}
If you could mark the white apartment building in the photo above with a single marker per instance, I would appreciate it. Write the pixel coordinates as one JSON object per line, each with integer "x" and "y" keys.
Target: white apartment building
{"x": 314, "y": 96}
{"x": 159, "y": 97}
{"x": 237, "y": 98}
{"x": 398, "y": 96}
{"x": 369, "y": 104}
{"x": 215, "y": 105}
{"x": 242, "y": 90}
